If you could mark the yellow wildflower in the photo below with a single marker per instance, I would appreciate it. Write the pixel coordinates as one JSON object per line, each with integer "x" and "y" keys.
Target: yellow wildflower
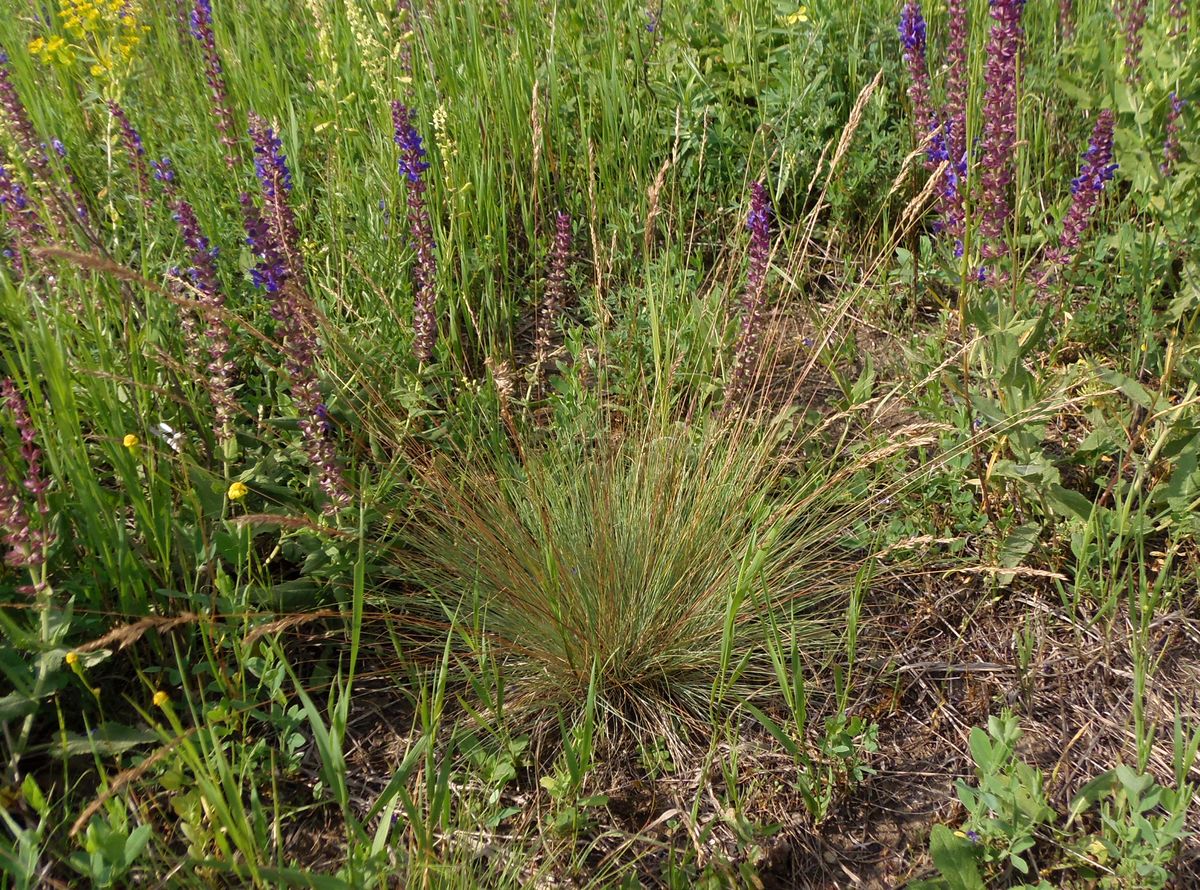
{"x": 131, "y": 441}
{"x": 72, "y": 659}
{"x": 161, "y": 699}
{"x": 798, "y": 17}
{"x": 237, "y": 491}
{"x": 37, "y": 45}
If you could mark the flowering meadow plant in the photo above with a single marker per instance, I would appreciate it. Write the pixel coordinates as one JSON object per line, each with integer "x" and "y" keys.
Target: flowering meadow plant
{"x": 510, "y": 444}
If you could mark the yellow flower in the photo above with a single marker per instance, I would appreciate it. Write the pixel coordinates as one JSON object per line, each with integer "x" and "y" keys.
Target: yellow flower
{"x": 237, "y": 491}
{"x": 161, "y": 699}
{"x": 72, "y": 658}
{"x": 37, "y": 45}
{"x": 131, "y": 441}
{"x": 797, "y": 17}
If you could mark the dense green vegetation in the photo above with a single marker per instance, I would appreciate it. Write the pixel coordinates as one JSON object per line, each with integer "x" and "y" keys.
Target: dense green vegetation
{"x": 602, "y": 444}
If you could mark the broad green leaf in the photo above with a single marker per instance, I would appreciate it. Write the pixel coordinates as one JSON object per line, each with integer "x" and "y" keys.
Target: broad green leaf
{"x": 955, "y": 859}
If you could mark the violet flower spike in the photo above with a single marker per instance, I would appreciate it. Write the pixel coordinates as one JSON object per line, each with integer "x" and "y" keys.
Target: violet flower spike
{"x": 81, "y": 211}
{"x": 209, "y": 305}
{"x": 412, "y": 165}
{"x": 1132, "y": 15}
{"x": 202, "y": 30}
{"x": 555, "y": 296}
{"x": 270, "y": 272}
{"x": 746, "y": 352}
{"x": 24, "y": 228}
{"x": 27, "y": 544}
{"x": 275, "y": 180}
{"x": 912, "y": 39}
{"x": 409, "y": 16}
{"x": 25, "y": 138}
{"x": 957, "y": 75}
{"x": 132, "y": 141}
{"x": 1066, "y": 19}
{"x": 1171, "y": 148}
{"x": 1178, "y": 16}
{"x": 274, "y": 240}
{"x": 999, "y": 144}
{"x": 1095, "y": 172}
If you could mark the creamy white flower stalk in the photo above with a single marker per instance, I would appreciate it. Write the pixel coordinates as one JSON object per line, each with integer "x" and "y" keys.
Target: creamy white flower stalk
{"x": 320, "y": 17}
{"x": 371, "y": 51}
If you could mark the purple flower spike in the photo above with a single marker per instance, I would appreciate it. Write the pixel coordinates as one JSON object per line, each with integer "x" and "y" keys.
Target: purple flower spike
{"x": 26, "y": 543}
{"x": 202, "y": 30}
{"x": 271, "y": 271}
{"x": 1094, "y": 173}
{"x": 1066, "y": 19}
{"x": 1171, "y": 149}
{"x": 136, "y": 151}
{"x": 912, "y": 39}
{"x": 273, "y": 237}
{"x": 1000, "y": 126}
{"x": 164, "y": 171}
{"x": 269, "y": 163}
{"x": 24, "y": 136}
{"x": 408, "y": 16}
{"x": 21, "y": 220}
{"x": 556, "y": 285}
{"x": 18, "y": 119}
{"x": 1178, "y": 17}
{"x": 412, "y": 165}
{"x": 208, "y": 303}
{"x": 275, "y": 180}
{"x": 746, "y": 353}
{"x": 1132, "y": 15}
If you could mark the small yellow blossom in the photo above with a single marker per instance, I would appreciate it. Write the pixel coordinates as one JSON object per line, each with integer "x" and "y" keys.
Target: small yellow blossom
{"x": 237, "y": 491}
{"x": 131, "y": 441}
{"x": 798, "y": 17}
{"x": 37, "y": 45}
{"x": 161, "y": 699}
{"x": 72, "y": 658}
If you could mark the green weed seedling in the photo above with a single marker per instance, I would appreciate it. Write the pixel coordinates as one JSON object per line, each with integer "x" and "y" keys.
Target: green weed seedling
{"x": 1136, "y": 824}
{"x": 111, "y": 846}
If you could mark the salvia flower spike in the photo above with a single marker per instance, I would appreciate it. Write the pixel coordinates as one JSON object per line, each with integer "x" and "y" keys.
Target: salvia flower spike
{"x": 998, "y": 152}
{"x": 556, "y": 285}
{"x": 273, "y": 238}
{"x": 214, "y": 74}
{"x": 132, "y": 142}
{"x": 1132, "y": 15}
{"x": 1178, "y": 17}
{"x": 26, "y": 541}
{"x": 1066, "y": 19}
{"x": 1095, "y": 172}
{"x": 912, "y": 39}
{"x": 1171, "y": 149}
{"x": 25, "y": 138}
{"x": 275, "y": 180}
{"x": 412, "y": 166}
{"x": 21, "y": 220}
{"x": 746, "y": 354}
{"x": 209, "y": 304}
